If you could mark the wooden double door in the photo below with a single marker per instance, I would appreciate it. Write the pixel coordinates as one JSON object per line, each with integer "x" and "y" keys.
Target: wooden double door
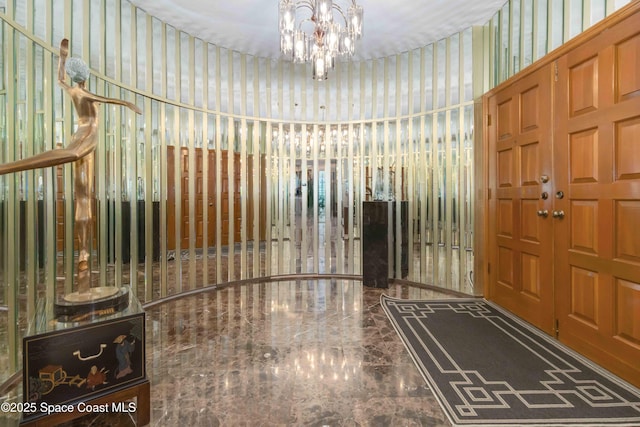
{"x": 564, "y": 188}
{"x": 230, "y": 191}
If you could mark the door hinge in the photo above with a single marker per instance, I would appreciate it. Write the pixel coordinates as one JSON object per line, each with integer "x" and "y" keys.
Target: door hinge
{"x": 488, "y": 119}
{"x": 557, "y": 328}
{"x": 489, "y": 194}
{"x": 488, "y": 268}
{"x": 555, "y": 70}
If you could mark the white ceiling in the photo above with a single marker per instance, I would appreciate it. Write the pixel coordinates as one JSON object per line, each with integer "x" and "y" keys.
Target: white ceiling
{"x": 390, "y": 26}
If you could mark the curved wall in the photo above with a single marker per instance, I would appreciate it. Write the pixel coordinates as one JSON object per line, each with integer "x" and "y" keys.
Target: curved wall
{"x": 236, "y": 157}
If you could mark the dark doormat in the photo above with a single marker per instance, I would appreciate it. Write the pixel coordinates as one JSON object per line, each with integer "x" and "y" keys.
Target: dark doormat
{"x": 488, "y": 368}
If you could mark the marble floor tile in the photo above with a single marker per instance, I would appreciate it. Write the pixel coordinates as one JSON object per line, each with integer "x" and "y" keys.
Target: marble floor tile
{"x": 291, "y": 353}
{"x": 312, "y": 353}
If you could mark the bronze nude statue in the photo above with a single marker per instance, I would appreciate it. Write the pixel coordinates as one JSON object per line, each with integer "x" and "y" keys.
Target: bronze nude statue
{"x": 80, "y": 150}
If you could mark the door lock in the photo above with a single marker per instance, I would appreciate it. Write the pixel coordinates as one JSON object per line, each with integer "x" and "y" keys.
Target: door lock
{"x": 558, "y": 214}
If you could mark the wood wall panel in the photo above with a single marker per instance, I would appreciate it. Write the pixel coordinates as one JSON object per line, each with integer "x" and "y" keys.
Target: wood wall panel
{"x": 583, "y": 156}
{"x": 584, "y": 226}
{"x": 593, "y": 225}
{"x": 605, "y": 169}
{"x": 583, "y": 87}
{"x": 627, "y": 65}
{"x": 627, "y": 149}
{"x": 584, "y": 296}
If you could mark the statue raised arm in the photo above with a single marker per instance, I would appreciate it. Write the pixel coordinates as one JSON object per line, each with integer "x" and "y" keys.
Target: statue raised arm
{"x": 84, "y": 141}
{"x": 80, "y": 150}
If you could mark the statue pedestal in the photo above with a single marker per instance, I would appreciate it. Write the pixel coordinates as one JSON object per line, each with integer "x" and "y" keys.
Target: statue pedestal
{"x": 96, "y": 359}
{"x": 97, "y": 301}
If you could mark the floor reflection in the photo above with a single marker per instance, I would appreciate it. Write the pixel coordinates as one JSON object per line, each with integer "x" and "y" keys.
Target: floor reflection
{"x": 317, "y": 352}
{"x": 302, "y": 353}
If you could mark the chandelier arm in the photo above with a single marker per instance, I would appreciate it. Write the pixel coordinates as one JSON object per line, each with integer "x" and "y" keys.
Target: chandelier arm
{"x": 303, "y": 21}
{"x": 339, "y": 9}
{"x": 304, "y": 3}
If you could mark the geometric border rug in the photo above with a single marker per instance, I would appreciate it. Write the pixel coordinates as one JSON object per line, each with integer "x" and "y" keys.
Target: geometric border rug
{"x": 488, "y": 368}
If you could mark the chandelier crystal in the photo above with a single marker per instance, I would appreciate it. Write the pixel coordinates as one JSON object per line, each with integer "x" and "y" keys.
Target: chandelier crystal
{"x": 314, "y": 36}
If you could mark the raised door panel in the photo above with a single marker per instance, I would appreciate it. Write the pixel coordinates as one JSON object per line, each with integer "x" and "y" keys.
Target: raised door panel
{"x": 627, "y": 236}
{"x": 583, "y": 227}
{"x": 627, "y": 321}
{"x": 597, "y": 129}
{"x": 627, "y": 77}
{"x": 506, "y": 267}
{"x": 627, "y": 149}
{"x": 583, "y": 156}
{"x": 585, "y": 305}
{"x": 530, "y": 269}
{"x": 506, "y": 169}
{"x": 504, "y": 218}
{"x": 530, "y": 164}
{"x": 505, "y": 115}
{"x": 530, "y": 229}
{"x": 530, "y": 107}
{"x": 583, "y": 87}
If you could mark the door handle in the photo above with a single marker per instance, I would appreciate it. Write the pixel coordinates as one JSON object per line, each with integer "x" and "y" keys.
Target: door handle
{"x": 558, "y": 214}
{"x": 543, "y": 213}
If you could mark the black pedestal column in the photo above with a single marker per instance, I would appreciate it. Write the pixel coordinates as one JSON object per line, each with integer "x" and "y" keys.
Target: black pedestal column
{"x": 378, "y": 236}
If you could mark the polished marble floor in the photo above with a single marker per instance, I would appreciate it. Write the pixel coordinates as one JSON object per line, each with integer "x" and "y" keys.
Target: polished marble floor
{"x": 290, "y": 353}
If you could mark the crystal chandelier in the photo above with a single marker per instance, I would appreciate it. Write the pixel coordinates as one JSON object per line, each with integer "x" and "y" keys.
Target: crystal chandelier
{"x": 318, "y": 38}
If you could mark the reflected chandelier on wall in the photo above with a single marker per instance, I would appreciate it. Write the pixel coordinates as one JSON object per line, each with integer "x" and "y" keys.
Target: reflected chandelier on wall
{"x": 318, "y": 38}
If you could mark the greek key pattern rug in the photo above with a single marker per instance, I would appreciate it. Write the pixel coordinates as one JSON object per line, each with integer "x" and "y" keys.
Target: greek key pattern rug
{"x": 488, "y": 368}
